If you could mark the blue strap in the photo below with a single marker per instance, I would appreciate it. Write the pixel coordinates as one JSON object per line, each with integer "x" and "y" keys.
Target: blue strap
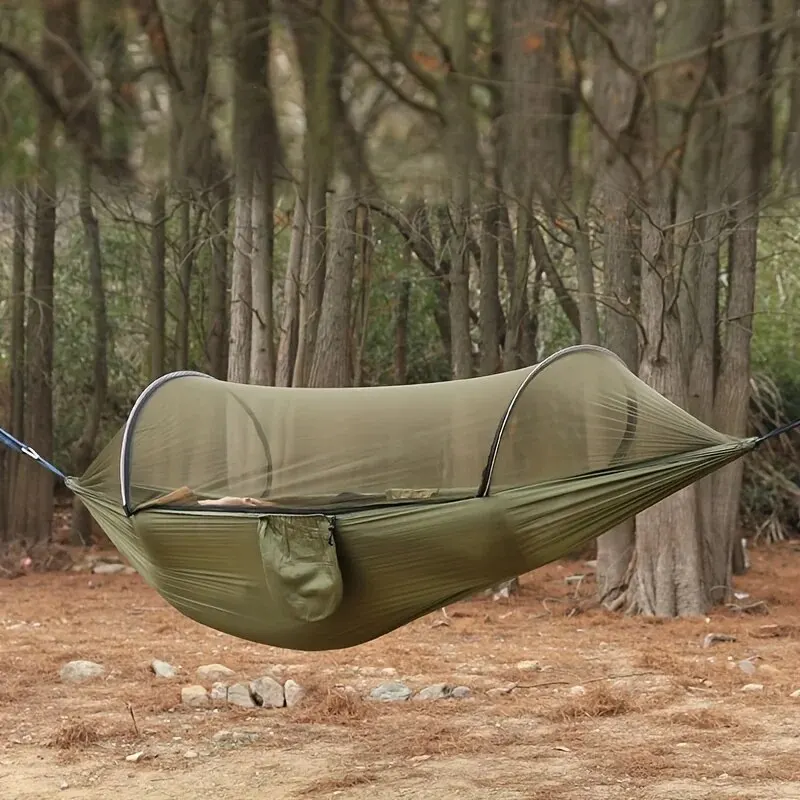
{"x": 779, "y": 431}
{"x": 20, "y": 447}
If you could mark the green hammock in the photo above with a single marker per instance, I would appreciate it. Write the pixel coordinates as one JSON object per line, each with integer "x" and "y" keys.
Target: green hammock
{"x": 319, "y": 519}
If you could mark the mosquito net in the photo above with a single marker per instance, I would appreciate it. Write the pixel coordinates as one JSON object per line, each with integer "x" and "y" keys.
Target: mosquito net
{"x": 193, "y": 439}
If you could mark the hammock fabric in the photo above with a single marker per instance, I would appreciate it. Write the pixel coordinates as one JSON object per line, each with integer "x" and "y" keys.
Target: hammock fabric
{"x": 318, "y": 519}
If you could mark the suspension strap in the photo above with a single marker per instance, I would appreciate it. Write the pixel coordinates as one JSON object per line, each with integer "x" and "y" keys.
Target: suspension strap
{"x": 15, "y": 444}
{"x": 778, "y": 432}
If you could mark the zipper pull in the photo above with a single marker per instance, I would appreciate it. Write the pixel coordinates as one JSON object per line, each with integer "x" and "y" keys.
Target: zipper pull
{"x": 331, "y": 531}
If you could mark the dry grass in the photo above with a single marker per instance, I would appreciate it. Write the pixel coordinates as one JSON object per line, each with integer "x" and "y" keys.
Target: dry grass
{"x": 705, "y": 719}
{"x": 600, "y": 700}
{"x": 332, "y": 705}
{"x": 74, "y": 735}
{"x": 330, "y": 786}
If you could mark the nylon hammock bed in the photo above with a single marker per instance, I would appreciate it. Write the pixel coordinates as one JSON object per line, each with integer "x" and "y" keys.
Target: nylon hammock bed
{"x": 317, "y": 519}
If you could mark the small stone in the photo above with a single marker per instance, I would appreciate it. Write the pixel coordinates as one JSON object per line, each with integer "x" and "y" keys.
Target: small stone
{"x": 213, "y": 672}
{"x": 239, "y": 695}
{"x": 135, "y": 757}
{"x": 190, "y": 754}
{"x": 753, "y": 687}
{"x": 108, "y": 569}
{"x": 390, "y": 692}
{"x": 194, "y": 696}
{"x": 529, "y": 666}
{"x": 577, "y": 690}
{"x": 715, "y": 638}
{"x": 795, "y": 693}
{"x": 267, "y": 692}
{"x": 162, "y": 669}
{"x": 219, "y": 691}
{"x": 748, "y": 667}
{"x": 234, "y": 737}
{"x": 389, "y": 672}
{"x": 461, "y": 692}
{"x": 76, "y": 671}
{"x": 438, "y": 691}
{"x": 64, "y": 786}
{"x": 293, "y": 692}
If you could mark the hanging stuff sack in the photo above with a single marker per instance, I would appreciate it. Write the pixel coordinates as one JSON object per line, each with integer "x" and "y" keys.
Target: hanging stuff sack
{"x": 301, "y": 565}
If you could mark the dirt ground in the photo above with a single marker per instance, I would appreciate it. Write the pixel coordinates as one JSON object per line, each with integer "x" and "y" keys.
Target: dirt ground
{"x": 661, "y": 717}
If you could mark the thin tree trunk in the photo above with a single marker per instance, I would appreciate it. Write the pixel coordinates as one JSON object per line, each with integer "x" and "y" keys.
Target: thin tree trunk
{"x": 218, "y": 290}
{"x": 744, "y": 111}
{"x": 17, "y": 344}
{"x": 312, "y": 284}
{"x": 332, "y": 361}
{"x": 402, "y": 308}
{"x": 188, "y": 243}
{"x": 240, "y": 341}
{"x": 460, "y": 147}
{"x": 287, "y": 345}
{"x": 84, "y": 449}
{"x": 361, "y": 317}
{"x": 490, "y": 310}
{"x": 157, "y": 288}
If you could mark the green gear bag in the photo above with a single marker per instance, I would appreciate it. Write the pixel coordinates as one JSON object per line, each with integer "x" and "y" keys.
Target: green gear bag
{"x": 301, "y": 565}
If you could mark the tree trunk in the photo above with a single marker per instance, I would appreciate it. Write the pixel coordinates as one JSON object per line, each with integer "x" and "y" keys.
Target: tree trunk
{"x": 84, "y": 449}
{"x": 460, "y": 150}
{"x": 332, "y": 362}
{"x": 490, "y": 310}
{"x": 668, "y": 579}
{"x": 218, "y": 290}
{"x": 287, "y": 345}
{"x": 157, "y": 289}
{"x": 262, "y": 364}
{"x": 403, "y": 305}
{"x": 361, "y": 318}
{"x": 187, "y": 245}
{"x": 791, "y": 140}
{"x": 744, "y": 117}
{"x": 31, "y": 514}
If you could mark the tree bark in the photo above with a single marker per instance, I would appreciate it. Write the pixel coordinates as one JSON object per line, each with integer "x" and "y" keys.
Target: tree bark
{"x": 744, "y": 118}
{"x": 157, "y": 288}
{"x": 84, "y": 449}
{"x": 218, "y": 290}
{"x": 403, "y": 305}
{"x": 459, "y": 137}
{"x": 287, "y": 345}
{"x": 332, "y": 362}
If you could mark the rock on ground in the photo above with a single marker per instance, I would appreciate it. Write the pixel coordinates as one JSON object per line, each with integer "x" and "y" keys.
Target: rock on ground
{"x": 268, "y": 693}
{"x": 438, "y": 691}
{"x": 213, "y": 672}
{"x": 293, "y": 693}
{"x": 239, "y": 695}
{"x": 162, "y": 669}
{"x": 753, "y": 687}
{"x": 194, "y": 696}
{"x": 76, "y": 671}
{"x": 389, "y": 692}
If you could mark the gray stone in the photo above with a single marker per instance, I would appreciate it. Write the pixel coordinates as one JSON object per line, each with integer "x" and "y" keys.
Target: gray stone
{"x": 76, "y": 671}
{"x": 390, "y": 692}
{"x": 108, "y": 569}
{"x": 239, "y": 695}
{"x": 748, "y": 667}
{"x": 213, "y": 672}
{"x": 267, "y": 692}
{"x": 190, "y": 754}
{"x": 293, "y": 692}
{"x": 162, "y": 669}
{"x": 234, "y": 737}
{"x": 461, "y": 692}
{"x": 438, "y": 691}
{"x": 753, "y": 687}
{"x": 577, "y": 690}
{"x": 194, "y": 696}
{"x": 795, "y": 693}
{"x": 529, "y": 666}
{"x": 219, "y": 691}
{"x": 134, "y": 758}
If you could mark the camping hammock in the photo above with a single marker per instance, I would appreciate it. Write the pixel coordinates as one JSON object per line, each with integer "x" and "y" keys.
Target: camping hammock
{"x": 317, "y": 519}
